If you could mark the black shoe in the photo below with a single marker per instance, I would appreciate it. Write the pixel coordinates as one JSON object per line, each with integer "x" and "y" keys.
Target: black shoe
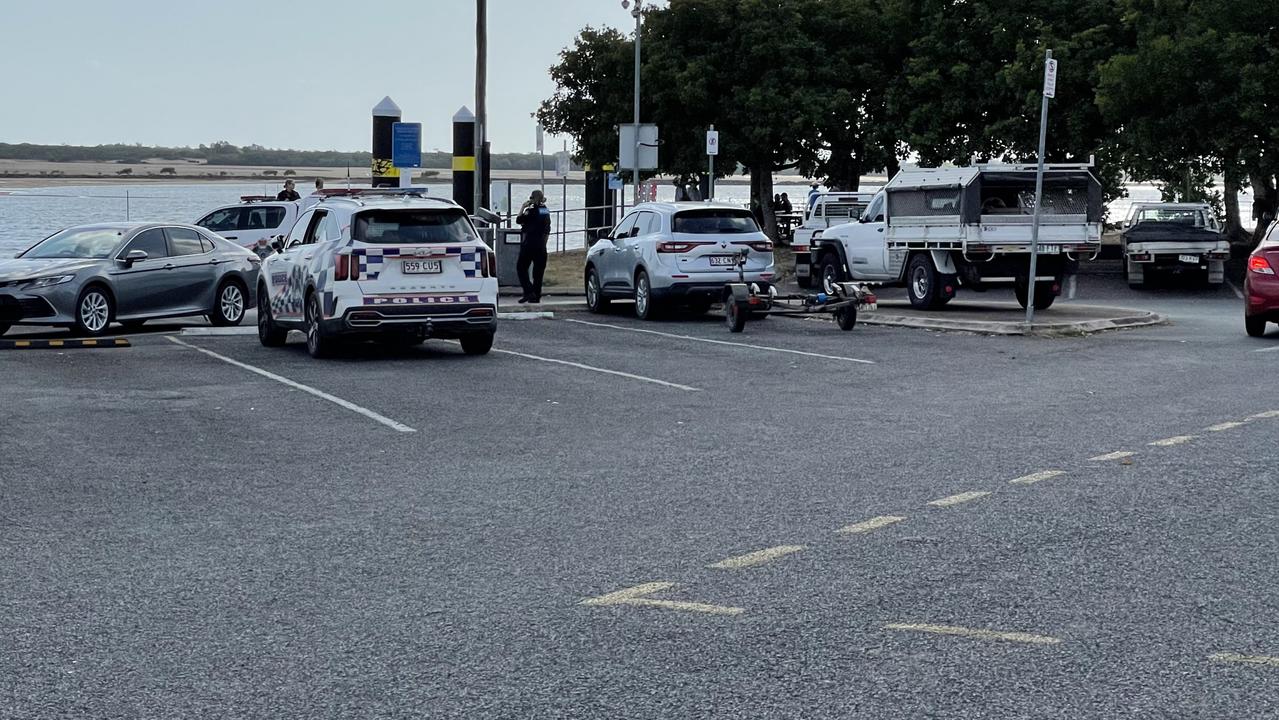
{"x": 523, "y": 300}
{"x": 537, "y": 300}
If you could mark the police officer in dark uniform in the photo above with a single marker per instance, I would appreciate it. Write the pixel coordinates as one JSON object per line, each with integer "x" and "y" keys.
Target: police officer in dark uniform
{"x": 535, "y": 228}
{"x": 288, "y": 193}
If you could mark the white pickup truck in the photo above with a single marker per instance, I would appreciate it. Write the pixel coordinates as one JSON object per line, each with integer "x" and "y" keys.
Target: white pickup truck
{"x": 935, "y": 230}
{"x": 1173, "y": 238}
{"x": 826, "y": 210}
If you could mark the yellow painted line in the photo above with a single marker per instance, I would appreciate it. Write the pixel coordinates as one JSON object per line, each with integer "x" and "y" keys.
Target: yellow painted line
{"x": 1266, "y": 660}
{"x": 464, "y": 163}
{"x": 1174, "y": 440}
{"x": 55, "y": 343}
{"x": 1225, "y": 426}
{"x": 975, "y": 633}
{"x": 759, "y": 557}
{"x": 962, "y": 497}
{"x": 1117, "y": 455}
{"x": 1037, "y": 477}
{"x": 637, "y": 596}
{"x": 22, "y": 343}
{"x": 121, "y": 342}
{"x": 89, "y": 343}
{"x": 1264, "y": 415}
{"x": 874, "y": 523}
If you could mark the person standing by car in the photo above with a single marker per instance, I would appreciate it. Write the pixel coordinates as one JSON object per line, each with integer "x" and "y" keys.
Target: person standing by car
{"x": 535, "y": 228}
{"x": 288, "y": 193}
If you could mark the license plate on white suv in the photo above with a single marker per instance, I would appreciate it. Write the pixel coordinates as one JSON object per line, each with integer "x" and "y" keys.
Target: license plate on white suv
{"x": 1192, "y": 259}
{"x": 723, "y": 260}
{"x": 423, "y": 267}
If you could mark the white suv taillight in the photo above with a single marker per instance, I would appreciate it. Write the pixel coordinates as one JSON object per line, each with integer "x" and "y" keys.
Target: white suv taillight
{"x": 676, "y": 247}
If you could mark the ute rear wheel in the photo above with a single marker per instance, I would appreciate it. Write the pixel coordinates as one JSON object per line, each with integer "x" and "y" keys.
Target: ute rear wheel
{"x": 1044, "y": 295}
{"x": 830, "y": 272}
{"x": 921, "y": 282}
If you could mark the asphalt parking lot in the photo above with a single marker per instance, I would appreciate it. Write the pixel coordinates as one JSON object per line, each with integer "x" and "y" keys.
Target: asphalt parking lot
{"x": 608, "y": 518}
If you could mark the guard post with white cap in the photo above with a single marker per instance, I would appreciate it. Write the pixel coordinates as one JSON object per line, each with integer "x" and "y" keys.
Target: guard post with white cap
{"x": 385, "y": 115}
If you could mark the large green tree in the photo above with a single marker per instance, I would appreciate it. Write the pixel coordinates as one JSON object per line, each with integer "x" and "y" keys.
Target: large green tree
{"x": 1196, "y": 95}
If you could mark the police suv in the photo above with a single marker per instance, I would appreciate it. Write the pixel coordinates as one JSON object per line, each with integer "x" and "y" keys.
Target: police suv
{"x": 390, "y": 265}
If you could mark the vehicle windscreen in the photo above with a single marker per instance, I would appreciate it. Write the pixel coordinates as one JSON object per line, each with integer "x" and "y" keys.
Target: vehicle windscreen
{"x": 412, "y": 226}
{"x": 88, "y": 243}
{"x": 714, "y": 221}
{"x": 1191, "y": 217}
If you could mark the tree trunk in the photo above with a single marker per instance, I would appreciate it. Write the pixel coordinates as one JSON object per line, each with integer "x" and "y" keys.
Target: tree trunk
{"x": 1234, "y": 228}
{"x": 762, "y": 192}
{"x": 1265, "y": 203}
{"x": 844, "y": 168}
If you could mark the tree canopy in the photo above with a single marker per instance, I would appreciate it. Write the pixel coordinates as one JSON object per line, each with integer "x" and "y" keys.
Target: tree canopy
{"x": 1171, "y": 91}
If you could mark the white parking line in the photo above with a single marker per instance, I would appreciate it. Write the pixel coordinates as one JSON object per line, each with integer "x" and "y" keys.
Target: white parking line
{"x": 1238, "y": 292}
{"x": 1264, "y": 415}
{"x": 1227, "y": 657}
{"x": 874, "y": 523}
{"x": 1174, "y": 440}
{"x": 1219, "y": 427}
{"x": 722, "y": 342}
{"x": 1117, "y": 455}
{"x": 975, "y": 633}
{"x": 398, "y": 427}
{"x": 1269, "y": 349}
{"x": 759, "y": 557}
{"x": 1037, "y": 477}
{"x": 592, "y": 368}
{"x": 636, "y": 596}
{"x": 962, "y": 497}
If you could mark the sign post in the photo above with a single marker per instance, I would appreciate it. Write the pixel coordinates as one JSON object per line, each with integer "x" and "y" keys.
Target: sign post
{"x": 406, "y": 150}
{"x": 561, "y": 171}
{"x": 712, "y": 149}
{"x": 1050, "y": 91}
{"x": 541, "y": 158}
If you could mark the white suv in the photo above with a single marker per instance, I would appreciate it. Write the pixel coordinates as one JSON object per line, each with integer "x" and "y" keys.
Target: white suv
{"x": 253, "y": 222}
{"x": 686, "y": 253}
{"x": 388, "y": 265}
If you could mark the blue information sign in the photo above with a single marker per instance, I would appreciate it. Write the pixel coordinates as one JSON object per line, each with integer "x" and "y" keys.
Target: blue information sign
{"x": 406, "y": 145}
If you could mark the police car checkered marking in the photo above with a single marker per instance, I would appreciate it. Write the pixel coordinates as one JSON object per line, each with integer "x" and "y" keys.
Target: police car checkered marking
{"x": 372, "y": 259}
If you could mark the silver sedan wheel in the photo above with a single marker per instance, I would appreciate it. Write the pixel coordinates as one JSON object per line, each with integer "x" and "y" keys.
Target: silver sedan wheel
{"x": 232, "y": 303}
{"x": 95, "y": 311}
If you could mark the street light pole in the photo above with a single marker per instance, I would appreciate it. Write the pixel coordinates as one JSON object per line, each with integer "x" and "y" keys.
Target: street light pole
{"x": 636, "y": 170}
{"x": 481, "y": 89}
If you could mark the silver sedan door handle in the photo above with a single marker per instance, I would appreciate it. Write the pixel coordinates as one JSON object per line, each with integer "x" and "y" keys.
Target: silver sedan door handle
{"x": 169, "y": 266}
{"x": 308, "y": 257}
{"x": 230, "y": 237}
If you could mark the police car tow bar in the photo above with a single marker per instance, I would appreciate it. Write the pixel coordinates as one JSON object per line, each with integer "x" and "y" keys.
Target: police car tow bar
{"x": 743, "y": 300}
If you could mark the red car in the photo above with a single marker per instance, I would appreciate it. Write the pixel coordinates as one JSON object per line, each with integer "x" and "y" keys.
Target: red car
{"x": 1261, "y": 284}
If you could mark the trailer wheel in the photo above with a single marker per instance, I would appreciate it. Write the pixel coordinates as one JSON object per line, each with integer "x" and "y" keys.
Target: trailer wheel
{"x": 921, "y": 282}
{"x": 735, "y": 316}
{"x": 846, "y": 317}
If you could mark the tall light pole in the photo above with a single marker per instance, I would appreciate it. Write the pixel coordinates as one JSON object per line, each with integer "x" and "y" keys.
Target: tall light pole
{"x": 481, "y": 88}
{"x": 636, "y": 13}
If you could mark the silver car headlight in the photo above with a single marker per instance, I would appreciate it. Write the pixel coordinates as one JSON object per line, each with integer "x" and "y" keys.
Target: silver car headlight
{"x": 48, "y": 281}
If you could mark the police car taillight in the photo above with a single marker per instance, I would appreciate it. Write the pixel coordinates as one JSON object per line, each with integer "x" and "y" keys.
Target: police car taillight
{"x": 341, "y": 266}
{"x": 488, "y": 265}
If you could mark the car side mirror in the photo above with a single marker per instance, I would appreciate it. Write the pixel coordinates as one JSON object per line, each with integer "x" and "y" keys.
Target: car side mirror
{"x": 134, "y": 256}
{"x": 277, "y": 244}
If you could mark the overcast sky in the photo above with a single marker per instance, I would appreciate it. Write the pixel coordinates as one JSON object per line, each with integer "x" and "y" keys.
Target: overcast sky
{"x": 282, "y": 73}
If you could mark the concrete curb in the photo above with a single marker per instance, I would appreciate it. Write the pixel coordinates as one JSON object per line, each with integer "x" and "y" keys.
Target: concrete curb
{"x": 87, "y": 343}
{"x": 991, "y": 327}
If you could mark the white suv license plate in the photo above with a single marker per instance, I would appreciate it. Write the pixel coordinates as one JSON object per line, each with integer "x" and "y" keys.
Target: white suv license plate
{"x": 423, "y": 267}
{"x": 723, "y": 260}
{"x": 1192, "y": 259}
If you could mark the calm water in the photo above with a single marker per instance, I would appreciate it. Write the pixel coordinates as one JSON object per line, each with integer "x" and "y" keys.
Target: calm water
{"x": 28, "y": 215}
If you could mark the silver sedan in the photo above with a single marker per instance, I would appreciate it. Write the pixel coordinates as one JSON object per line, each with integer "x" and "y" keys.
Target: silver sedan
{"x": 88, "y": 276}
